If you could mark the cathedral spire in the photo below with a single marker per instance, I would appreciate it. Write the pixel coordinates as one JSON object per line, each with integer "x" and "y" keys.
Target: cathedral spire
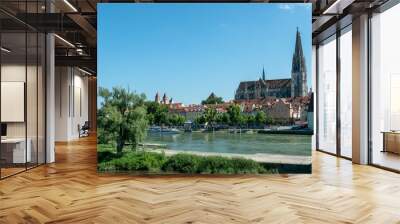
{"x": 298, "y": 57}
{"x": 263, "y": 74}
{"x": 157, "y": 98}
{"x": 299, "y": 73}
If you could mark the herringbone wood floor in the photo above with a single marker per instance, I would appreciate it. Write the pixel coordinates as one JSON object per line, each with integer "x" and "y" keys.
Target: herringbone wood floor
{"x": 70, "y": 191}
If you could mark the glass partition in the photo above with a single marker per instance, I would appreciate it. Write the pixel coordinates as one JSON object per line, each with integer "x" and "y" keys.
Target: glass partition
{"x": 346, "y": 92}
{"x": 41, "y": 96}
{"x": 385, "y": 89}
{"x": 13, "y": 92}
{"x": 22, "y": 101}
{"x": 31, "y": 97}
{"x": 327, "y": 95}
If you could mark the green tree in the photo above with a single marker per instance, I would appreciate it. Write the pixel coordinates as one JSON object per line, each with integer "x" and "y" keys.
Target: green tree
{"x": 225, "y": 118}
{"x": 212, "y": 99}
{"x": 250, "y": 120}
{"x": 152, "y": 107}
{"x": 180, "y": 120}
{"x": 176, "y": 119}
{"x": 222, "y": 118}
{"x": 242, "y": 120}
{"x": 157, "y": 113}
{"x": 270, "y": 120}
{"x": 161, "y": 116}
{"x": 210, "y": 116}
{"x": 150, "y": 118}
{"x": 200, "y": 120}
{"x": 261, "y": 118}
{"x": 234, "y": 114}
{"x": 122, "y": 117}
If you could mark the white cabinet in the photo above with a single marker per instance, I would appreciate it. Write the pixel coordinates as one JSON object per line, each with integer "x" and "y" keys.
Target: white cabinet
{"x": 19, "y": 155}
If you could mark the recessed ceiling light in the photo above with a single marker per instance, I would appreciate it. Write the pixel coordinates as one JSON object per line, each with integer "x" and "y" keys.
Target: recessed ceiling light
{"x": 337, "y": 7}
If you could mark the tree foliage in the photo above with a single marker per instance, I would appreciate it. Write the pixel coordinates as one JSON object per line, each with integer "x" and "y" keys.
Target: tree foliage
{"x": 260, "y": 118}
{"x": 157, "y": 113}
{"x": 175, "y": 120}
{"x": 200, "y": 120}
{"x": 121, "y": 117}
{"x": 212, "y": 99}
{"x": 234, "y": 113}
{"x": 210, "y": 116}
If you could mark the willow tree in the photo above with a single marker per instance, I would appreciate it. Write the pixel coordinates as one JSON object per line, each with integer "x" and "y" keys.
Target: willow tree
{"x": 210, "y": 115}
{"x": 121, "y": 117}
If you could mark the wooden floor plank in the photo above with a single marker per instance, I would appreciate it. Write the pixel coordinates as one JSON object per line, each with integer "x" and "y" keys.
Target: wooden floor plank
{"x": 71, "y": 191}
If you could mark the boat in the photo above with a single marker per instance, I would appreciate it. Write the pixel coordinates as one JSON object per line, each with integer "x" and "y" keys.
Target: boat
{"x": 170, "y": 130}
{"x": 157, "y": 129}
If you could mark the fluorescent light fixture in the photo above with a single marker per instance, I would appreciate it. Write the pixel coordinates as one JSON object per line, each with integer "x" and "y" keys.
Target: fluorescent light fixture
{"x": 332, "y": 7}
{"x": 84, "y": 71}
{"x": 70, "y": 5}
{"x": 65, "y": 41}
{"x": 5, "y": 50}
{"x": 338, "y": 6}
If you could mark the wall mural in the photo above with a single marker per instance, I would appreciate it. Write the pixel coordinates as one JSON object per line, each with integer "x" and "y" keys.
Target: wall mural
{"x": 204, "y": 88}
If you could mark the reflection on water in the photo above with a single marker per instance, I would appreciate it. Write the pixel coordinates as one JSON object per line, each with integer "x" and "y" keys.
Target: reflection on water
{"x": 235, "y": 143}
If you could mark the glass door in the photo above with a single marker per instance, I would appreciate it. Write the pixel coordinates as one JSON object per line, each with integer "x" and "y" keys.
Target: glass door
{"x": 22, "y": 101}
{"x": 14, "y": 156}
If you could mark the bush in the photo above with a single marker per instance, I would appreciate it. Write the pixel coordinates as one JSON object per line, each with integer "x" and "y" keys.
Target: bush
{"x": 184, "y": 163}
{"x": 105, "y": 153}
{"x": 134, "y": 161}
{"x": 181, "y": 163}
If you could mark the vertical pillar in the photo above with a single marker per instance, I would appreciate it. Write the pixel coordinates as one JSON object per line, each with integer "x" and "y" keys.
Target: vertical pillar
{"x": 50, "y": 92}
{"x": 360, "y": 61}
{"x": 92, "y": 103}
{"x": 314, "y": 84}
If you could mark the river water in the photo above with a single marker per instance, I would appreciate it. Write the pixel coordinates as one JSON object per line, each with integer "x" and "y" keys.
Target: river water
{"x": 245, "y": 143}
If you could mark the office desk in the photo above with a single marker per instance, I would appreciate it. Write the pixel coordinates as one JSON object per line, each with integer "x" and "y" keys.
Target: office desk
{"x": 391, "y": 141}
{"x": 13, "y": 150}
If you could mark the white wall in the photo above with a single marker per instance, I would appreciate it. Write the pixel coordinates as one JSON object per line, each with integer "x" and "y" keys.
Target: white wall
{"x": 17, "y": 73}
{"x": 71, "y": 102}
{"x": 33, "y": 126}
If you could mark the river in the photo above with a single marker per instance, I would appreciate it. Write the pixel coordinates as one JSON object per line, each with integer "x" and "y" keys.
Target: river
{"x": 245, "y": 143}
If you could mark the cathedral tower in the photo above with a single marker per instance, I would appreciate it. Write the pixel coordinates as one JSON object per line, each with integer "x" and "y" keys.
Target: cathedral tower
{"x": 299, "y": 73}
{"x": 263, "y": 74}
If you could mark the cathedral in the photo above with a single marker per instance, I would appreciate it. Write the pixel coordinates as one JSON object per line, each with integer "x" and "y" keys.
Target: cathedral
{"x": 282, "y": 88}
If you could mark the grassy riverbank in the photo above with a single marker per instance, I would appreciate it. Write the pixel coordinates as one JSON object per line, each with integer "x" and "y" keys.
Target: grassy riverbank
{"x": 151, "y": 162}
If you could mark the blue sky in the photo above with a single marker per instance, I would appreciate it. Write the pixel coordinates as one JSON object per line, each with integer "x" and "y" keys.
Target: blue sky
{"x": 191, "y": 50}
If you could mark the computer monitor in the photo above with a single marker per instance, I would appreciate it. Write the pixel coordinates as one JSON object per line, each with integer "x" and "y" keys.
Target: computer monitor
{"x": 3, "y": 129}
